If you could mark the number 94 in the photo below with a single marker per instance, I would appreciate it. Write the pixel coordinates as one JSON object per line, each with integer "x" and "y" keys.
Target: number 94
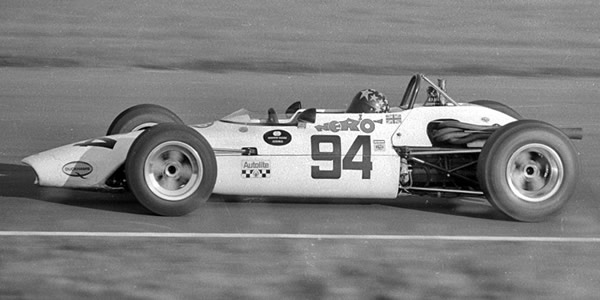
{"x": 335, "y": 156}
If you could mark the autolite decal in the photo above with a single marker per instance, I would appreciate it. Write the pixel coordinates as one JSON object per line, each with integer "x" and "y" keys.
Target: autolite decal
{"x": 256, "y": 169}
{"x": 77, "y": 169}
{"x": 364, "y": 125}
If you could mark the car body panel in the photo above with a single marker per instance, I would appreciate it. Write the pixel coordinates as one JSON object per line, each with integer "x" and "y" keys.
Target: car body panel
{"x": 339, "y": 155}
{"x": 85, "y": 164}
{"x": 414, "y": 122}
{"x": 291, "y": 165}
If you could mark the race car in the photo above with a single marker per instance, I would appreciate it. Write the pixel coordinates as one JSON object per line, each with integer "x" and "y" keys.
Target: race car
{"x": 427, "y": 144}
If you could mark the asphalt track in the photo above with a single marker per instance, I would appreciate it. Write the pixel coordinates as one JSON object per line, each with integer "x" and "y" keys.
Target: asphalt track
{"x": 274, "y": 247}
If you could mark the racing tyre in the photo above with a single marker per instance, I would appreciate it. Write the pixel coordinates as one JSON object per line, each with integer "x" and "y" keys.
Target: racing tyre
{"x": 171, "y": 169}
{"x": 528, "y": 170}
{"x": 141, "y": 117}
{"x": 503, "y": 108}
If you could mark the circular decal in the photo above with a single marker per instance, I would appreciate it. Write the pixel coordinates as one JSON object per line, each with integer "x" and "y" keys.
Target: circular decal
{"x": 277, "y": 137}
{"x": 77, "y": 169}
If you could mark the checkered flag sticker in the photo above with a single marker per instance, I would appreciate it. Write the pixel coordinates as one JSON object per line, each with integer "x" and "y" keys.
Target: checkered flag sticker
{"x": 256, "y": 173}
{"x": 256, "y": 169}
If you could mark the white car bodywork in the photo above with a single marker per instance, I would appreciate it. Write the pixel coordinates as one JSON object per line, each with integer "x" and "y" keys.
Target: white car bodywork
{"x": 339, "y": 155}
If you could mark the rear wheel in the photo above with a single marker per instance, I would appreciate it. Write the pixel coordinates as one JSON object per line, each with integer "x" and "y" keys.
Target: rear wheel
{"x": 142, "y": 117}
{"x": 528, "y": 170}
{"x": 171, "y": 169}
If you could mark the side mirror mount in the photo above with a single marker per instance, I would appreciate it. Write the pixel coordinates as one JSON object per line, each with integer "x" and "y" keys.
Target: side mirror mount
{"x": 308, "y": 116}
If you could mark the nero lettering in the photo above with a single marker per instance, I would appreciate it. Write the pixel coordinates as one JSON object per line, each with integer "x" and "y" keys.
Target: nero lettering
{"x": 364, "y": 125}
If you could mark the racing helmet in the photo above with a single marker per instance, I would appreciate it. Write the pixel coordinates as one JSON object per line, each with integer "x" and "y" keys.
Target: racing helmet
{"x": 369, "y": 101}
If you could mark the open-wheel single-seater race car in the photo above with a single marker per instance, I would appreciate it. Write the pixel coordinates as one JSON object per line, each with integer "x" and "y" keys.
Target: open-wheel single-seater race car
{"x": 525, "y": 168}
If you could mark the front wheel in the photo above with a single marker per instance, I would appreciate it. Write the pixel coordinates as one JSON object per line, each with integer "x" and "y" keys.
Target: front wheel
{"x": 528, "y": 170}
{"x": 171, "y": 169}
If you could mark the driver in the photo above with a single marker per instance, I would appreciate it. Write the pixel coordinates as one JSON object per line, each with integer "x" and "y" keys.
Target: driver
{"x": 369, "y": 101}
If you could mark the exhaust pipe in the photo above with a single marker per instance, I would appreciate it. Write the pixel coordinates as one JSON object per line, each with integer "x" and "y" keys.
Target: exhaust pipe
{"x": 574, "y": 133}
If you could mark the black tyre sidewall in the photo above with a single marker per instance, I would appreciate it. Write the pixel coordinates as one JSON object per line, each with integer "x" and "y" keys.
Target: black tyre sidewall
{"x": 136, "y": 158}
{"x": 137, "y": 115}
{"x": 492, "y": 168}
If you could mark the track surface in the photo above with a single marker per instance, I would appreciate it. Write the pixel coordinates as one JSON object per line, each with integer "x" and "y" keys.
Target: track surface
{"x": 81, "y": 243}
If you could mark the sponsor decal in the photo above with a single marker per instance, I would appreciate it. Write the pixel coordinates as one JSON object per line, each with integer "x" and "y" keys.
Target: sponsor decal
{"x": 99, "y": 142}
{"x": 378, "y": 145}
{"x": 393, "y": 119}
{"x": 277, "y": 137}
{"x": 256, "y": 169}
{"x": 77, "y": 169}
{"x": 364, "y": 125}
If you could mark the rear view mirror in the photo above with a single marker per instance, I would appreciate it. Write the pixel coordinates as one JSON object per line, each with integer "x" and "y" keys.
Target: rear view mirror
{"x": 308, "y": 116}
{"x": 293, "y": 108}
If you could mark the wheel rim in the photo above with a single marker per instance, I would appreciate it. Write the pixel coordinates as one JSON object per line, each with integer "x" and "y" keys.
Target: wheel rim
{"x": 173, "y": 170}
{"x": 535, "y": 172}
